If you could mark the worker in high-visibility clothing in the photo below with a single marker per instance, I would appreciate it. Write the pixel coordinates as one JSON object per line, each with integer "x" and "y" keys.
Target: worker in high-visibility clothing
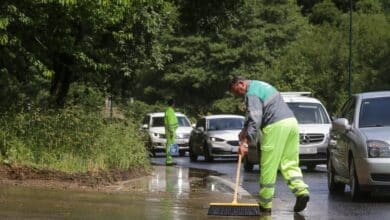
{"x": 170, "y": 124}
{"x": 266, "y": 112}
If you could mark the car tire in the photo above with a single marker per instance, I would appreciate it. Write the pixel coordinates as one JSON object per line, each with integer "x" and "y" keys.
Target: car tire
{"x": 248, "y": 166}
{"x": 182, "y": 153}
{"x": 206, "y": 153}
{"x": 333, "y": 186}
{"x": 356, "y": 192}
{"x": 193, "y": 156}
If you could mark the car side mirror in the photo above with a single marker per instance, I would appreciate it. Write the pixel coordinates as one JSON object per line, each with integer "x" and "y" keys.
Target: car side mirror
{"x": 341, "y": 124}
{"x": 145, "y": 126}
{"x": 201, "y": 129}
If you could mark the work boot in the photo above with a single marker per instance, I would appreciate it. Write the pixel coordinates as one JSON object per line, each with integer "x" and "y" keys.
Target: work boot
{"x": 301, "y": 202}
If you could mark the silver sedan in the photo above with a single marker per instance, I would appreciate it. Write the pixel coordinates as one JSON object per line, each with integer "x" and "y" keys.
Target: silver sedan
{"x": 215, "y": 136}
{"x": 359, "y": 145}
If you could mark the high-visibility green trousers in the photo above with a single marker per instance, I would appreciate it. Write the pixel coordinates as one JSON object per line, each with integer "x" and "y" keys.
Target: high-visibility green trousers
{"x": 280, "y": 149}
{"x": 170, "y": 140}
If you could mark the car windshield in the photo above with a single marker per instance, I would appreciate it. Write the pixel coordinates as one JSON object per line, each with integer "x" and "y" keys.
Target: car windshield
{"x": 309, "y": 113}
{"x": 375, "y": 112}
{"x": 159, "y": 121}
{"x": 225, "y": 124}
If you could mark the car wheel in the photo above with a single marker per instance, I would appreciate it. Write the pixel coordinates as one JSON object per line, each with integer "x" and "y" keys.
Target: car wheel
{"x": 206, "y": 153}
{"x": 356, "y": 192}
{"x": 248, "y": 166}
{"x": 333, "y": 186}
{"x": 193, "y": 156}
{"x": 182, "y": 153}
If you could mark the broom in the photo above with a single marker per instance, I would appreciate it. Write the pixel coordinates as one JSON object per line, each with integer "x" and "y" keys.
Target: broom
{"x": 234, "y": 208}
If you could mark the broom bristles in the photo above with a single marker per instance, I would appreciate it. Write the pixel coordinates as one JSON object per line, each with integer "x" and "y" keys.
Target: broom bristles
{"x": 231, "y": 209}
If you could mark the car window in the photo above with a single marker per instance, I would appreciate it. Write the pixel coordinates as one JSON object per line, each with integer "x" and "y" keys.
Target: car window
{"x": 309, "y": 113}
{"x": 225, "y": 124}
{"x": 157, "y": 122}
{"x": 183, "y": 121}
{"x": 375, "y": 112}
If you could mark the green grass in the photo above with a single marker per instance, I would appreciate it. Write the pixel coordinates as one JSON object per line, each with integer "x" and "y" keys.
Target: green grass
{"x": 71, "y": 140}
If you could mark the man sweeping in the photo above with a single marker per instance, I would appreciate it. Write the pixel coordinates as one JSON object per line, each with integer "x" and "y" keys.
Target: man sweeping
{"x": 170, "y": 124}
{"x": 267, "y": 112}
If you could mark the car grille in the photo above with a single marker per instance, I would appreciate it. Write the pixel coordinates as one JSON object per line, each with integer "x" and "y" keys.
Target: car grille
{"x": 233, "y": 143}
{"x": 220, "y": 151}
{"x": 380, "y": 177}
{"x": 310, "y": 138}
{"x": 182, "y": 136}
{"x": 317, "y": 156}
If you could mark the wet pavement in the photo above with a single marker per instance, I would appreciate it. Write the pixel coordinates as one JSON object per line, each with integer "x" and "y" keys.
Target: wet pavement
{"x": 182, "y": 192}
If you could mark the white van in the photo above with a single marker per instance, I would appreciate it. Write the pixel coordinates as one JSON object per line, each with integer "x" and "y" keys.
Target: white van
{"x": 314, "y": 124}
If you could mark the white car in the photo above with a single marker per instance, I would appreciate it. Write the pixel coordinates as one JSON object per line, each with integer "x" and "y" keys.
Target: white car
{"x": 153, "y": 123}
{"x": 215, "y": 136}
{"x": 314, "y": 124}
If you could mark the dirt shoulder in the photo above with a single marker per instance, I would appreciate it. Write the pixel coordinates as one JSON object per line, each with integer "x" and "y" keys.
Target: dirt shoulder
{"x": 90, "y": 181}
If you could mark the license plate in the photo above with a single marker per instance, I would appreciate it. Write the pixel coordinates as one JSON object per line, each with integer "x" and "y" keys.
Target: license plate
{"x": 308, "y": 150}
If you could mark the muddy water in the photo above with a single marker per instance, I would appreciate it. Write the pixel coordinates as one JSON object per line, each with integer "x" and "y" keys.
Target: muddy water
{"x": 169, "y": 193}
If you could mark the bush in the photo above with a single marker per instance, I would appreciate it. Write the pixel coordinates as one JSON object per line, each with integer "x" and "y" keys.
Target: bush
{"x": 71, "y": 140}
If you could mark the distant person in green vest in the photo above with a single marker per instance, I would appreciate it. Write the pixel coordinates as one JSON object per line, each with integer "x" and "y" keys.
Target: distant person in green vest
{"x": 171, "y": 124}
{"x": 266, "y": 112}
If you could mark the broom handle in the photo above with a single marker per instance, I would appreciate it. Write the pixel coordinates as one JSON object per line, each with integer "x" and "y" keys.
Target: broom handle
{"x": 237, "y": 179}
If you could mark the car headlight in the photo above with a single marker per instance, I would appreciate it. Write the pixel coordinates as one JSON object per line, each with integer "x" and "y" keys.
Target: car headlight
{"x": 215, "y": 139}
{"x": 378, "y": 148}
{"x": 158, "y": 135}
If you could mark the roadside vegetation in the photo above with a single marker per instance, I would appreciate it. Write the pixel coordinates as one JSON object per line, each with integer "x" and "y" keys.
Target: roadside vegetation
{"x": 73, "y": 139}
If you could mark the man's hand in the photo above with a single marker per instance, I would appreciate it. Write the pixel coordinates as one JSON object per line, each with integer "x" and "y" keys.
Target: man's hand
{"x": 243, "y": 149}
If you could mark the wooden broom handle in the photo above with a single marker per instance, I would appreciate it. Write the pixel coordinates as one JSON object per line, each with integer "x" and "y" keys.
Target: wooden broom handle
{"x": 237, "y": 179}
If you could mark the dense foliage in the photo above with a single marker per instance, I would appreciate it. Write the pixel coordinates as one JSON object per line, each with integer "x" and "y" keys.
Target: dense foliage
{"x": 55, "y": 55}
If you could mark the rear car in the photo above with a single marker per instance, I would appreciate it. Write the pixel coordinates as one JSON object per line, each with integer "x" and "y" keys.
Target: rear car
{"x": 153, "y": 124}
{"x": 314, "y": 124}
{"x": 215, "y": 136}
{"x": 359, "y": 145}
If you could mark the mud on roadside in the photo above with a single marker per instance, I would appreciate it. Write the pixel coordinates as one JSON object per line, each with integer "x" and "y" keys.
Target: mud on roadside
{"x": 89, "y": 181}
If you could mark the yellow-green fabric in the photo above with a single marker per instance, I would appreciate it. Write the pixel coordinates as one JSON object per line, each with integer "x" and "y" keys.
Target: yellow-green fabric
{"x": 280, "y": 149}
{"x": 170, "y": 124}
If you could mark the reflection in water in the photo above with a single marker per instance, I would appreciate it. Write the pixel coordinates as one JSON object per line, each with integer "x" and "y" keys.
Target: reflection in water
{"x": 173, "y": 180}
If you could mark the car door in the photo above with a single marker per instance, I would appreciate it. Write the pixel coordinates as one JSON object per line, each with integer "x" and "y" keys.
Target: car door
{"x": 197, "y": 136}
{"x": 341, "y": 140}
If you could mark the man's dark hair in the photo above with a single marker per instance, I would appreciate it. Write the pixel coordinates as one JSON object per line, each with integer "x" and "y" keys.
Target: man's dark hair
{"x": 235, "y": 80}
{"x": 171, "y": 102}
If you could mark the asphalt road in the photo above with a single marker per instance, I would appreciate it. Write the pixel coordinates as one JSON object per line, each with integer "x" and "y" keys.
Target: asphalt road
{"x": 321, "y": 203}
